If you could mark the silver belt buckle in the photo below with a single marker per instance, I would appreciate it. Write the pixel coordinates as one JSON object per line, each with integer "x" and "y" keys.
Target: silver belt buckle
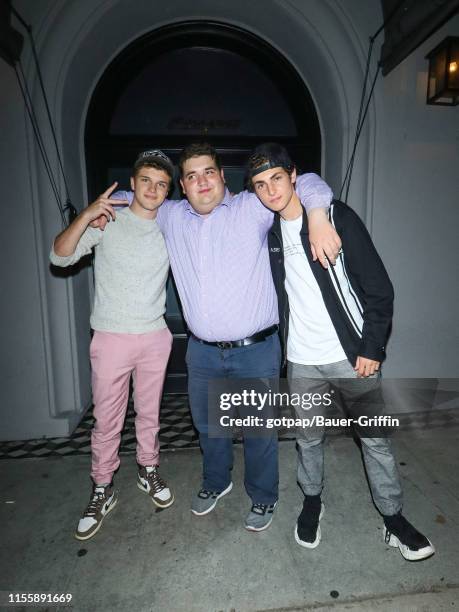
{"x": 224, "y": 345}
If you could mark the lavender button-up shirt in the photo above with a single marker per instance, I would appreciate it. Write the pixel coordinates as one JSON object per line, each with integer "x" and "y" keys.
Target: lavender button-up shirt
{"x": 220, "y": 261}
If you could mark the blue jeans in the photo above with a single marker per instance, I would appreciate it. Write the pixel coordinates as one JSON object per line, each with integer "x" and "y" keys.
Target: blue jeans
{"x": 260, "y": 360}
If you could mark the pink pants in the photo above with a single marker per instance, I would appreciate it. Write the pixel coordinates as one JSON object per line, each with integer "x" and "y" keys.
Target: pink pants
{"x": 114, "y": 357}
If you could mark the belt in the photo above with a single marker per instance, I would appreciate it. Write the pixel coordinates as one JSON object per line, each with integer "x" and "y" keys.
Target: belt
{"x": 227, "y": 344}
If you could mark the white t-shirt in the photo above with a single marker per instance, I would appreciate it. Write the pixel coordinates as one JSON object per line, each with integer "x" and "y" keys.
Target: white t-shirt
{"x": 312, "y": 339}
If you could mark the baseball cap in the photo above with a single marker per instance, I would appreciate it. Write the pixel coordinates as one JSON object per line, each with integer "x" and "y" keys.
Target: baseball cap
{"x": 269, "y": 155}
{"x": 156, "y": 156}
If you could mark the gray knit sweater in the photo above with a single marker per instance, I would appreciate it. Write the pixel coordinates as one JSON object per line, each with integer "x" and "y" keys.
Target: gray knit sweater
{"x": 131, "y": 267}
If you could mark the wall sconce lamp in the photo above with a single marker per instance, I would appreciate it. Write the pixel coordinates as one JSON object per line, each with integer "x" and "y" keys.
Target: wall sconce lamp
{"x": 443, "y": 81}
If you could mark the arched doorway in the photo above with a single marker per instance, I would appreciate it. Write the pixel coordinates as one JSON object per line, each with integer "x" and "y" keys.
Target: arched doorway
{"x": 196, "y": 81}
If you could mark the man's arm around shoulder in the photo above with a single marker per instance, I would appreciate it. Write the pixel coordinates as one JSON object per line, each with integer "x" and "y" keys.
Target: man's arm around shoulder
{"x": 315, "y": 195}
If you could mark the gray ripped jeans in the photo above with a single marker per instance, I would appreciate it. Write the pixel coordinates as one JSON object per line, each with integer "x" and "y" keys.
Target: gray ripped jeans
{"x": 377, "y": 452}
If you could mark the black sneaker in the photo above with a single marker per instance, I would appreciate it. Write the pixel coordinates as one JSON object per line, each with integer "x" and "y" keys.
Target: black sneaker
{"x": 307, "y": 529}
{"x": 103, "y": 500}
{"x": 401, "y": 534}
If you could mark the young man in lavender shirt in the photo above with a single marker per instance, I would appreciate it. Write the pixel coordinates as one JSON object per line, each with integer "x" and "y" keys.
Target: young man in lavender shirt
{"x": 130, "y": 333}
{"x": 219, "y": 257}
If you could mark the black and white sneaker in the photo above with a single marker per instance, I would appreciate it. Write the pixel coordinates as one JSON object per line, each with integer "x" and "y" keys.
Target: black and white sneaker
{"x": 307, "y": 529}
{"x": 260, "y": 517}
{"x": 401, "y": 534}
{"x": 205, "y": 501}
{"x": 149, "y": 481}
{"x": 103, "y": 500}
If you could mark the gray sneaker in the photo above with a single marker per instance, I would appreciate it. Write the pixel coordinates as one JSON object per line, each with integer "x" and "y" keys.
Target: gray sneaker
{"x": 103, "y": 500}
{"x": 260, "y": 517}
{"x": 205, "y": 501}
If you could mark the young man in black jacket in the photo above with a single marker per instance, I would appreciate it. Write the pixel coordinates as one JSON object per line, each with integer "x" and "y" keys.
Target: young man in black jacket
{"x": 334, "y": 324}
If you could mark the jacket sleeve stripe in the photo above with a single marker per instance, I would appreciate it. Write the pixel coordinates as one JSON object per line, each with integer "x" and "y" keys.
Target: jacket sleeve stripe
{"x": 339, "y": 292}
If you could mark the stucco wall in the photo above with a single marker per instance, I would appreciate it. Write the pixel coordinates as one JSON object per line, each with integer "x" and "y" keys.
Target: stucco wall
{"x": 416, "y": 217}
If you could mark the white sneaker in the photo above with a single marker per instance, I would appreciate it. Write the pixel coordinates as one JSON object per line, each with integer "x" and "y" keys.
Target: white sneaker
{"x": 150, "y": 482}
{"x": 103, "y": 500}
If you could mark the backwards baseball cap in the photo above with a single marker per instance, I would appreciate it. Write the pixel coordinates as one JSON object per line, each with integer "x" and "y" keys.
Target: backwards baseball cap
{"x": 156, "y": 156}
{"x": 266, "y": 156}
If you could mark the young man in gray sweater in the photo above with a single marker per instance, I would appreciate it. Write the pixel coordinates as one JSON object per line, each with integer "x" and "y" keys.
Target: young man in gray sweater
{"x": 130, "y": 333}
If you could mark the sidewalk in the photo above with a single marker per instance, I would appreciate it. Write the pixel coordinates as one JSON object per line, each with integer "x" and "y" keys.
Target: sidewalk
{"x": 144, "y": 559}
